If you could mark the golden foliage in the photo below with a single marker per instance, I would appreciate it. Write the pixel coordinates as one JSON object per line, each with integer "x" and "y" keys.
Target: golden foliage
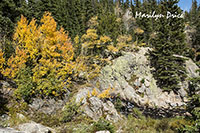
{"x": 94, "y": 92}
{"x": 89, "y": 40}
{"x": 49, "y": 50}
{"x": 106, "y": 93}
{"x": 90, "y": 61}
{"x": 15, "y": 63}
{"x": 123, "y": 41}
{"x": 76, "y": 40}
{"x": 86, "y": 67}
{"x": 105, "y": 39}
{"x": 93, "y": 22}
{"x": 139, "y": 31}
{"x": 26, "y": 36}
{"x": 112, "y": 49}
{"x": 2, "y": 60}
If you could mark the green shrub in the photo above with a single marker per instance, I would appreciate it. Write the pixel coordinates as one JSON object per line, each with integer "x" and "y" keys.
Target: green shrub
{"x": 142, "y": 81}
{"x": 15, "y": 109}
{"x": 25, "y": 84}
{"x": 137, "y": 113}
{"x": 162, "y": 125}
{"x": 46, "y": 119}
{"x": 71, "y": 109}
{"x": 103, "y": 124}
{"x": 178, "y": 123}
{"x": 118, "y": 104}
{"x": 194, "y": 106}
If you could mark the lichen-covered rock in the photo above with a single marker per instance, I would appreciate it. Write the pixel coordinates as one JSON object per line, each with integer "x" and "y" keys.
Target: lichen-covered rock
{"x": 132, "y": 79}
{"x": 96, "y": 108}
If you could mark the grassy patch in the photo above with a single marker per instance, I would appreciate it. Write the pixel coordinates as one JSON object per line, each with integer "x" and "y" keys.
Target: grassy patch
{"x": 137, "y": 123}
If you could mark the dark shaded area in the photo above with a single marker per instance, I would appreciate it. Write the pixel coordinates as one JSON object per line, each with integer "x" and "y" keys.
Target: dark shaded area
{"x": 126, "y": 108}
{"x": 3, "y": 102}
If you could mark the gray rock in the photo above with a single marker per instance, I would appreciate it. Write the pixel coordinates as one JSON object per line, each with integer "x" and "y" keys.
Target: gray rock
{"x": 48, "y": 106}
{"x": 10, "y": 130}
{"x": 137, "y": 82}
{"x": 6, "y": 88}
{"x": 190, "y": 32}
{"x": 21, "y": 116}
{"x": 103, "y": 131}
{"x": 191, "y": 68}
{"x": 137, "y": 64}
{"x": 33, "y": 127}
{"x": 95, "y": 108}
{"x": 142, "y": 89}
{"x": 128, "y": 19}
{"x": 82, "y": 95}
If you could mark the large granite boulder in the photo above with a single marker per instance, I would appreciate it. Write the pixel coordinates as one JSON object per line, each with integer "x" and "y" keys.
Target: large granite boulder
{"x": 133, "y": 81}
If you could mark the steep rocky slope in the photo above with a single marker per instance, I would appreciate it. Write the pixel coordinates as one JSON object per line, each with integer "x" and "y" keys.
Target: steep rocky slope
{"x": 131, "y": 77}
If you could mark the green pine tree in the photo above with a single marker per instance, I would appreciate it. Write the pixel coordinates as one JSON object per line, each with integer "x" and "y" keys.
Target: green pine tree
{"x": 193, "y": 13}
{"x": 169, "y": 41}
{"x": 10, "y": 11}
{"x": 193, "y": 106}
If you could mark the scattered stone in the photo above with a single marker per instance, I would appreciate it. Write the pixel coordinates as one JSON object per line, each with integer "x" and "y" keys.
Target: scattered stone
{"x": 103, "y": 131}
{"x": 33, "y": 127}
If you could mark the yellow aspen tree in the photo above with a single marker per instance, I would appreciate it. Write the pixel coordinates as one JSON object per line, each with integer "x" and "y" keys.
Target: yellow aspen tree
{"x": 47, "y": 51}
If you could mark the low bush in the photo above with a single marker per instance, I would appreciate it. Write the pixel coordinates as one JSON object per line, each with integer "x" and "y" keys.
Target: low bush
{"x": 71, "y": 110}
{"x": 103, "y": 124}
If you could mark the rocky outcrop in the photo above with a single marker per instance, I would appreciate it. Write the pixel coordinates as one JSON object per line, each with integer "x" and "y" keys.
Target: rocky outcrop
{"x": 96, "y": 108}
{"x": 6, "y": 88}
{"x": 48, "y": 106}
{"x": 130, "y": 76}
{"x": 133, "y": 81}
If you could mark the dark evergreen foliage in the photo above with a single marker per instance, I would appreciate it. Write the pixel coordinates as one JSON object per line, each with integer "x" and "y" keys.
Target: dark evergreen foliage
{"x": 169, "y": 41}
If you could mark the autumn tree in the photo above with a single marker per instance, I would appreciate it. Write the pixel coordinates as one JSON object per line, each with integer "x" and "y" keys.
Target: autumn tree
{"x": 46, "y": 53}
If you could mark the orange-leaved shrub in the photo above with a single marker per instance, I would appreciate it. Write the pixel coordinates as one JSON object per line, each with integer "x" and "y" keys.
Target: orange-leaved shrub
{"x": 45, "y": 52}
